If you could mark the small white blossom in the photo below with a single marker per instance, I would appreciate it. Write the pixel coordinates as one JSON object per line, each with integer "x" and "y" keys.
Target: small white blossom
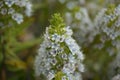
{"x": 55, "y": 46}
{"x": 55, "y": 36}
{"x": 53, "y": 61}
{"x": 64, "y": 56}
{"x": 81, "y": 67}
{"x": 53, "y": 52}
{"x": 64, "y": 78}
{"x": 18, "y": 17}
{"x": 3, "y": 11}
{"x": 11, "y": 11}
{"x": 78, "y": 16}
{"x": 28, "y": 10}
{"x": 50, "y": 76}
{"x": 117, "y": 23}
{"x": 9, "y": 3}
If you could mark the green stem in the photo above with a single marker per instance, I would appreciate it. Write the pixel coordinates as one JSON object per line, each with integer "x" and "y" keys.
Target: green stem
{"x": 3, "y": 71}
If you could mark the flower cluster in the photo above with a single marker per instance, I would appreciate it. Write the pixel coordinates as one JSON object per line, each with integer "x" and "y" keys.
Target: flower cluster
{"x": 14, "y": 9}
{"x": 110, "y": 22}
{"x": 107, "y": 30}
{"x": 59, "y": 55}
{"x": 108, "y": 26}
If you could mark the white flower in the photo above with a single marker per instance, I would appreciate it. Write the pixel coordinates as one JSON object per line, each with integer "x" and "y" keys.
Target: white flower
{"x": 80, "y": 55}
{"x": 81, "y": 67}
{"x": 62, "y": 38}
{"x": 3, "y": 11}
{"x": 64, "y": 56}
{"x": 64, "y": 78}
{"x": 69, "y": 68}
{"x": 28, "y": 10}
{"x": 50, "y": 76}
{"x": 55, "y": 46}
{"x": 117, "y": 23}
{"x": 74, "y": 48}
{"x": 9, "y": 3}
{"x": 11, "y": 11}
{"x": 55, "y": 37}
{"x": 18, "y": 17}
{"x": 72, "y": 59}
{"x": 53, "y": 61}
{"x": 78, "y": 16}
{"x": 113, "y": 36}
{"x": 53, "y": 52}
{"x": 69, "y": 32}
{"x": 70, "y": 77}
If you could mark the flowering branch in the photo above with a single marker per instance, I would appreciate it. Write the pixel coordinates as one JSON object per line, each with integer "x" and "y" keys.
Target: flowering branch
{"x": 59, "y": 56}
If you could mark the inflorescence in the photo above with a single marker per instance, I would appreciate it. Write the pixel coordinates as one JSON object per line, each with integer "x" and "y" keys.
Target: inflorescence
{"x": 59, "y": 55}
{"x": 14, "y": 9}
{"x": 109, "y": 22}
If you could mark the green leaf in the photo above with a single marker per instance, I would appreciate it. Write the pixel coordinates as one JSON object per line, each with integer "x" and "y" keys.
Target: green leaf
{"x": 26, "y": 45}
